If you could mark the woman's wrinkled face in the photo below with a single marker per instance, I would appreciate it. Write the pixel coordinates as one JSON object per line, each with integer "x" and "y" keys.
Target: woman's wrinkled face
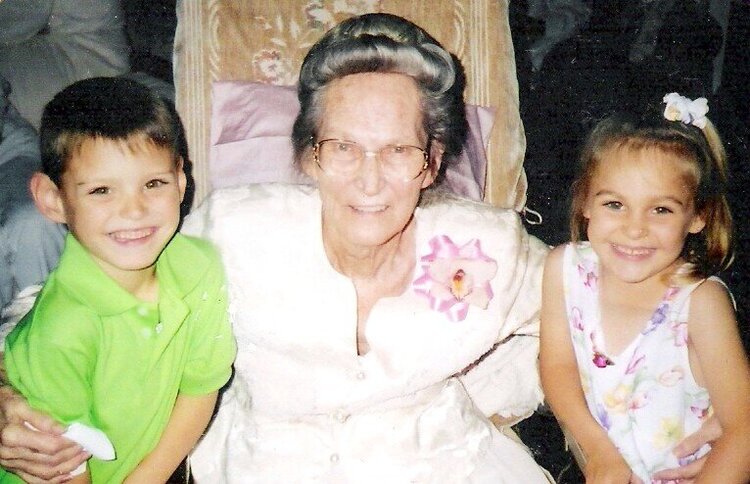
{"x": 367, "y": 208}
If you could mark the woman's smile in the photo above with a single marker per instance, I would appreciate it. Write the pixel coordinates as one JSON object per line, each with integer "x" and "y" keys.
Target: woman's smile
{"x": 369, "y": 208}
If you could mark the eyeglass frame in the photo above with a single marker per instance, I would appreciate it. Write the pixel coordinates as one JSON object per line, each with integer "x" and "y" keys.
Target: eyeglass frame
{"x": 425, "y": 153}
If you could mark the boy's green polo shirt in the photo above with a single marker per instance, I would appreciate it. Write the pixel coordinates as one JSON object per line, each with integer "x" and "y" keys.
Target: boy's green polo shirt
{"x": 91, "y": 352}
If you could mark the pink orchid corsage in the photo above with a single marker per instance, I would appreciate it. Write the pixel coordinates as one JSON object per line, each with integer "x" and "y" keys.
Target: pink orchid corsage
{"x": 455, "y": 277}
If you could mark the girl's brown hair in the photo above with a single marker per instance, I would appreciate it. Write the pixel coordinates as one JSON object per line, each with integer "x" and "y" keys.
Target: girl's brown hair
{"x": 708, "y": 251}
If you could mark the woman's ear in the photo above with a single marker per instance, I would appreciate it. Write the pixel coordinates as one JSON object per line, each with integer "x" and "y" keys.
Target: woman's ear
{"x": 308, "y": 165}
{"x": 47, "y": 197}
{"x": 436, "y": 159}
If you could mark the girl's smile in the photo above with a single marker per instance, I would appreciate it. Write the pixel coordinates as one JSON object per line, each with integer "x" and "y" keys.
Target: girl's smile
{"x": 640, "y": 210}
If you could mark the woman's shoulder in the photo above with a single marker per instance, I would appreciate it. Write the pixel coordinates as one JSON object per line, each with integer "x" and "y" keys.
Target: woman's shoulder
{"x": 259, "y": 194}
{"x": 471, "y": 227}
{"x": 257, "y": 205}
{"x": 443, "y": 212}
{"x": 446, "y": 203}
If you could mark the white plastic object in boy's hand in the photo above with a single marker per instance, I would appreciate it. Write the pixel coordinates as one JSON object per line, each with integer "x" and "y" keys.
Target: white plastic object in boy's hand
{"x": 92, "y": 440}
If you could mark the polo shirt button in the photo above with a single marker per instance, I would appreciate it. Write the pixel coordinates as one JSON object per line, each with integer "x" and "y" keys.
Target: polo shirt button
{"x": 159, "y": 327}
{"x": 334, "y": 458}
{"x": 204, "y": 296}
{"x": 142, "y": 311}
{"x": 361, "y": 375}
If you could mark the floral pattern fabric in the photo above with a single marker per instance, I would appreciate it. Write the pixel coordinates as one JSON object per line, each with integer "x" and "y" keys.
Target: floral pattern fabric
{"x": 646, "y": 397}
{"x": 291, "y": 38}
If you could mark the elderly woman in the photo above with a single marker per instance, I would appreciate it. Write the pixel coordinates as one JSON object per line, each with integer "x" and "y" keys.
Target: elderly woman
{"x": 357, "y": 307}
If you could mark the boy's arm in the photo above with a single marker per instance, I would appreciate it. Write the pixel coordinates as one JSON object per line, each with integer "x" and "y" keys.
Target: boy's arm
{"x": 561, "y": 381}
{"x": 189, "y": 419}
{"x": 714, "y": 338}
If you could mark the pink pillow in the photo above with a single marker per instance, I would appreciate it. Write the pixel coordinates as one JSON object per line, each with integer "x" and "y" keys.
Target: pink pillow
{"x": 251, "y": 126}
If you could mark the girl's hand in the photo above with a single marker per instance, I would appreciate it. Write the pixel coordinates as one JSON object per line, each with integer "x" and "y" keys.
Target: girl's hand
{"x": 606, "y": 466}
{"x": 36, "y": 456}
{"x": 709, "y": 431}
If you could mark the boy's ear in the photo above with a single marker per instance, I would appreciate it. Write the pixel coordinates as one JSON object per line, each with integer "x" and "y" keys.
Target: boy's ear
{"x": 47, "y": 197}
{"x": 181, "y": 178}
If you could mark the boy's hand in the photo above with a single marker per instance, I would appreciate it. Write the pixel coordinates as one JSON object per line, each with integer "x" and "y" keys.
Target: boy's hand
{"x": 709, "y": 431}
{"x": 36, "y": 456}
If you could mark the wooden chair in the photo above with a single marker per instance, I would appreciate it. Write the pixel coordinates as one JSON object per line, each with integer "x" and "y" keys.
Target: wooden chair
{"x": 266, "y": 40}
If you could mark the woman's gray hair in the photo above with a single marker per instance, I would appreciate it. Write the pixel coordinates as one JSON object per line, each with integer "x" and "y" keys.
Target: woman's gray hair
{"x": 389, "y": 44}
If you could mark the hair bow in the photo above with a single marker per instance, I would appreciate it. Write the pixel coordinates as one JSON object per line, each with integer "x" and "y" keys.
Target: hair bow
{"x": 686, "y": 110}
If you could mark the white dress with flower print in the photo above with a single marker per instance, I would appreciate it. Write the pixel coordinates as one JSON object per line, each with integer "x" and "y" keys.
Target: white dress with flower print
{"x": 304, "y": 407}
{"x": 646, "y": 397}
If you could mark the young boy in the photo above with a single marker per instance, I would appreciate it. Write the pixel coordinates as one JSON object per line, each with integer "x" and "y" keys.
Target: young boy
{"x": 130, "y": 333}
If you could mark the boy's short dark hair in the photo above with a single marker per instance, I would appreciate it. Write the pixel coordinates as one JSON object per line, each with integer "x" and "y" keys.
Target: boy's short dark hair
{"x": 111, "y": 108}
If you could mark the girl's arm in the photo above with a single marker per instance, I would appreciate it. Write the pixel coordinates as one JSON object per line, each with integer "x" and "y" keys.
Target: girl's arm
{"x": 189, "y": 419}
{"x": 715, "y": 341}
{"x": 562, "y": 384}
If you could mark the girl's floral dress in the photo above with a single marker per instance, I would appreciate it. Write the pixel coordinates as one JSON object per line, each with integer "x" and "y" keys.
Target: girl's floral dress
{"x": 646, "y": 397}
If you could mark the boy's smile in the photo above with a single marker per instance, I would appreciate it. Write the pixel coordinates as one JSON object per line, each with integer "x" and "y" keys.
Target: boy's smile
{"x": 127, "y": 236}
{"x": 121, "y": 200}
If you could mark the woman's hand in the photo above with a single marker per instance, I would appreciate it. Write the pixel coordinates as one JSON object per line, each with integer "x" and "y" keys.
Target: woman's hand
{"x": 606, "y": 466}
{"x": 709, "y": 431}
{"x": 36, "y": 456}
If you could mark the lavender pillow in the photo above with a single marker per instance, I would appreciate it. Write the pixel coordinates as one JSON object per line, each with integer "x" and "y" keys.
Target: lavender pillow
{"x": 251, "y": 125}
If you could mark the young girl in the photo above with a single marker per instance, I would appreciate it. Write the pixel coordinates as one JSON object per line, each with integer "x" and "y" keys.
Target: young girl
{"x": 639, "y": 342}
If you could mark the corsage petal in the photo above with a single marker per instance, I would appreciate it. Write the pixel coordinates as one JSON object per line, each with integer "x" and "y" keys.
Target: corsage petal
{"x": 455, "y": 277}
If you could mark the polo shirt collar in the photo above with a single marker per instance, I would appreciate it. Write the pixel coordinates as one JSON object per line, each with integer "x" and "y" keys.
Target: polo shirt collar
{"x": 79, "y": 272}
{"x": 183, "y": 264}
{"x": 180, "y": 266}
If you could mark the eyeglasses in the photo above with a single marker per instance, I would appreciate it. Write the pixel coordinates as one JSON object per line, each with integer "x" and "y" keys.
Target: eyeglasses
{"x": 344, "y": 158}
